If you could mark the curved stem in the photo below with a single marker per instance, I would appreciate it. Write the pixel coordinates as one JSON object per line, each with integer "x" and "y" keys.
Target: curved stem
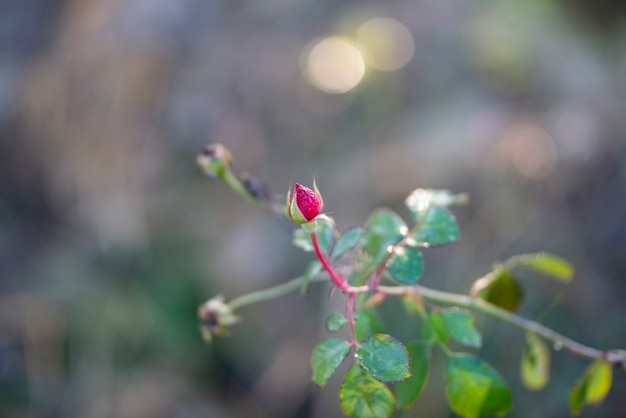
{"x": 617, "y": 358}
{"x": 267, "y": 294}
{"x": 240, "y": 189}
{"x": 479, "y": 305}
{"x": 339, "y": 281}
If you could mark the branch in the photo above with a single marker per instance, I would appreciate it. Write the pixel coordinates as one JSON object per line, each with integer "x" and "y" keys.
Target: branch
{"x": 616, "y": 358}
{"x": 339, "y": 281}
{"x": 267, "y": 294}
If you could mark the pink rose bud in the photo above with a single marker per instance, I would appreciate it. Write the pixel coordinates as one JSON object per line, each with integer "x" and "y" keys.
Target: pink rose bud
{"x": 305, "y": 204}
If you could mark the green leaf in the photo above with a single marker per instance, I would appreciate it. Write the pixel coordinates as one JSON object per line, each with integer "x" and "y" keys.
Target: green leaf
{"x": 406, "y": 264}
{"x": 312, "y": 270}
{"x": 347, "y": 241}
{"x": 362, "y": 396}
{"x": 546, "y": 263}
{"x": 460, "y": 326}
{"x": 592, "y": 387}
{"x": 408, "y": 390}
{"x": 421, "y": 199}
{"x": 327, "y": 355}
{"x": 435, "y": 226}
{"x": 367, "y": 323}
{"x": 475, "y": 388}
{"x": 535, "y": 364}
{"x": 384, "y": 357}
{"x": 501, "y": 288}
{"x": 384, "y": 228}
{"x": 335, "y": 322}
{"x": 435, "y": 330}
{"x": 599, "y": 381}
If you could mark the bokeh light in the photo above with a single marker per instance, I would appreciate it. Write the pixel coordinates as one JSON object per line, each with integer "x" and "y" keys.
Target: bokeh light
{"x": 529, "y": 149}
{"x": 334, "y": 65}
{"x": 387, "y": 43}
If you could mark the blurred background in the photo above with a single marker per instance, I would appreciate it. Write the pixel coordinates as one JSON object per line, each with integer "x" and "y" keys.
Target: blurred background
{"x": 110, "y": 237}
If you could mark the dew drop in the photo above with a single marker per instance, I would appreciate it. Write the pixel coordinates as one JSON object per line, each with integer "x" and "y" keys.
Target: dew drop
{"x": 557, "y": 346}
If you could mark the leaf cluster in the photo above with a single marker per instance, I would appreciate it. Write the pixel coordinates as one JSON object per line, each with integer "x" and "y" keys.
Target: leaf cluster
{"x": 387, "y": 374}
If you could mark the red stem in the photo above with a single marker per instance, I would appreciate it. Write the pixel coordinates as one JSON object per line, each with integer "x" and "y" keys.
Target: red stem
{"x": 377, "y": 274}
{"x": 342, "y": 284}
{"x": 339, "y": 281}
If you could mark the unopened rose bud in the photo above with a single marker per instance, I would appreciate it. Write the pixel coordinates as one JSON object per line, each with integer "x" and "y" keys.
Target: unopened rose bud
{"x": 215, "y": 317}
{"x": 304, "y": 204}
{"x": 214, "y": 160}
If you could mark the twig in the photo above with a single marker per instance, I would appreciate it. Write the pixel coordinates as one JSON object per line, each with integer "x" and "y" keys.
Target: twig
{"x": 616, "y": 358}
{"x": 475, "y": 304}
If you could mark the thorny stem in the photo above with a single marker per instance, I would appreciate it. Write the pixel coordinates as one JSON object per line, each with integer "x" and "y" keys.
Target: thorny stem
{"x": 339, "y": 281}
{"x": 616, "y": 358}
{"x": 342, "y": 284}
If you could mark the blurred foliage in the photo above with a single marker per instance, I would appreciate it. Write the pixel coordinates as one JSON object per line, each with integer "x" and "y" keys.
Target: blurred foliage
{"x": 110, "y": 238}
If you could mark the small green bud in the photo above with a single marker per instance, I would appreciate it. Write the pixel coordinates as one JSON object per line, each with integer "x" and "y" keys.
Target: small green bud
{"x": 214, "y": 160}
